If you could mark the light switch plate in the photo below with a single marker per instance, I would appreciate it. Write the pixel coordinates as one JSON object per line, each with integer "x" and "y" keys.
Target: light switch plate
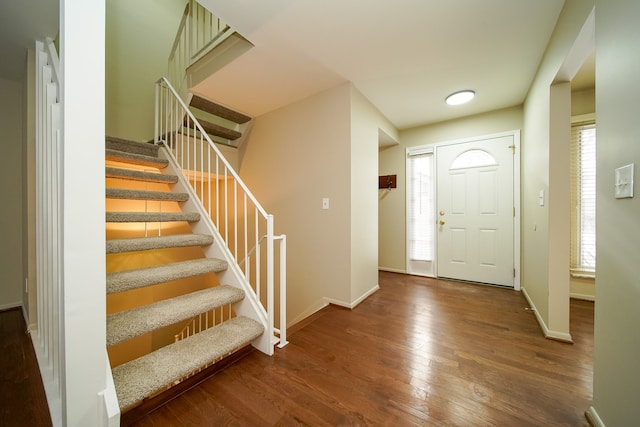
{"x": 624, "y": 182}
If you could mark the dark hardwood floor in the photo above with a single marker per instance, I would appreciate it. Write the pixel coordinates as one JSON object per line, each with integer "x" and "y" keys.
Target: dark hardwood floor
{"x": 22, "y": 398}
{"x": 417, "y": 352}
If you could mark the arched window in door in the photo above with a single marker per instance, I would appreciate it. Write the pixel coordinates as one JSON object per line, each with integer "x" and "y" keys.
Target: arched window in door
{"x": 473, "y": 159}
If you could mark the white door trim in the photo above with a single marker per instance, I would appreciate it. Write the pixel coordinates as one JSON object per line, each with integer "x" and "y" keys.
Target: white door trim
{"x": 516, "y": 190}
{"x": 429, "y": 269}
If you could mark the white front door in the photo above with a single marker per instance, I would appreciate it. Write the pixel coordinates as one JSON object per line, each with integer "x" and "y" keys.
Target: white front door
{"x": 475, "y": 210}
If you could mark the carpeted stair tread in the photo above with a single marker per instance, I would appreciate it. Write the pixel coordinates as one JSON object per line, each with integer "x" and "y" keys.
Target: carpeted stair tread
{"x": 135, "y": 159}
{"x": 218, "y": 110}
{"x": 133, "y": 279}
{"x": 152, "y": 216}
{"x": 214, "y": 129}
{"x": 128, "y": 324}
{"x": 111, "y": 172}
{"x": 125, "y": 193}
{"x": 116, "y": 246}
{"x": 134, "y": 147}
{"x": 151, "y": 373}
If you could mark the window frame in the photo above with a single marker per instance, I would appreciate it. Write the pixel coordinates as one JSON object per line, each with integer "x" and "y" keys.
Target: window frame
{"x": 576, "y": 267}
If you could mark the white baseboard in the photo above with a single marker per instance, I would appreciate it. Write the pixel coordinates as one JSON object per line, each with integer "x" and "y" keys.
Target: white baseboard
{"x": 392, "y": 270}
{"x": 308, "y": 312}
{"x": 593, "y": 417}
{"x": 584, "y": 297}
{"x": 326, "y": 301}
{"x": 548, "y": 333}
{"x": 354, "y": 304}
{"x": 10, "y": 305}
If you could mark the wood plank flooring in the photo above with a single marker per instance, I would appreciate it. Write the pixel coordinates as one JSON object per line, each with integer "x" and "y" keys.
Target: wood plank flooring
{"x": 417, "y": 352}
{"x": 22, "y": 398}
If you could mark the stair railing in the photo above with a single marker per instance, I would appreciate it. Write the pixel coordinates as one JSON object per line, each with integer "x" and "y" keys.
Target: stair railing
{"x": 198, "y": 32}
{"x": 238, "y": 219}
{"x": 47, "y": 333}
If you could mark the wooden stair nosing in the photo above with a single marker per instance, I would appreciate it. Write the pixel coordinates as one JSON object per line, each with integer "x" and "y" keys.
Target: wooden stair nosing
{"x": 218, "y": 110}
{"x": 152, "y": 216}
{"x": 121, "y": 173}
{"x": 151, "y": 373}
{"x": 126, "y": 280}
{"x": 135, "y": 244}
{"x": 125, "y": 193}
{"x": 135, "y": 159}
{"x": 138, "y": 321}
{"x": 215, "y": 129}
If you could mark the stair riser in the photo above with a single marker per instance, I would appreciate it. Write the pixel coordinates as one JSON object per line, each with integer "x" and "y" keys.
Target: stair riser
{"x": 139, "y": 278}
{"x": 152, "y": 243}
{"x": 160, "y": 196}
{"x": 122, "y": 217}
{"x": 133, "y": 147}
{"x": 137, "y": 160}
{"x": 118, "y": 173}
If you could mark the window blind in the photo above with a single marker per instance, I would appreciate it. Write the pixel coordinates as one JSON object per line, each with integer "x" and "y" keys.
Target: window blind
{"x": 583, "y": 198}
{"x": 421, "y": 210}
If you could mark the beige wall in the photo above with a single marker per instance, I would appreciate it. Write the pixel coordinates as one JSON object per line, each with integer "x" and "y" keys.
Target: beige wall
{"x": 617, "y": 341}
{"x": 296, "y": 156}
{"x": 544, "y": 278}
{"x": 139, "y": 38}
{"x": 365, "y": 122}
{"x": 11, "y": 117}
{"x": 392, "y": 205}
{"x": 325, "y": 146}
{"x": 583, "y": 102}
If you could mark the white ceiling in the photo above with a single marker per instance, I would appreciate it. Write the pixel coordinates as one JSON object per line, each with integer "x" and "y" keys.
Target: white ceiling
{"x": 22, "y": 22}
{"x": 405, "y": 56}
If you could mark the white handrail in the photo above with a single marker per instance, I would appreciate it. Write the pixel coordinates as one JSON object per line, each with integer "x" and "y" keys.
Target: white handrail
{"x": 232, "y": 210}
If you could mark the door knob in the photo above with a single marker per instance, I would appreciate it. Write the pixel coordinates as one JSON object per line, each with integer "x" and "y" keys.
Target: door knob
{"x": 441, "y": 222}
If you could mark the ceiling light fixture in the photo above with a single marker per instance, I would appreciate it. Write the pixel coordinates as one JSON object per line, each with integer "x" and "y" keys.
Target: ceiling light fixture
{"x": 461, "y": 97}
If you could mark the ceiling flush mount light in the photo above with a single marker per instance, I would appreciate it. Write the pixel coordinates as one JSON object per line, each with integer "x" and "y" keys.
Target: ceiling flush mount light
{"x": 461, "y": 97}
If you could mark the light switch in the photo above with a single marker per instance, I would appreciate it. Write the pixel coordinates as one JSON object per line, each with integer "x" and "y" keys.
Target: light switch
{"x": 624, "y": 182}
{"x": 541, "y": 198}
{"x": 325, "y": 203}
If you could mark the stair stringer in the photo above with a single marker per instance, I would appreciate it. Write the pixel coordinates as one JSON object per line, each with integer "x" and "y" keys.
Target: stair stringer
{"x": 250, "y": 306}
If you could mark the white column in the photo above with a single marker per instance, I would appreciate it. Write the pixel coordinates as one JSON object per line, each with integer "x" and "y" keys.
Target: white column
{"x": 82, "y": 52}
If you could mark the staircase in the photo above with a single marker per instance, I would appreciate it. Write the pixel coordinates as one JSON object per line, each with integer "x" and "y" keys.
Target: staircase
{"x": 222, "y": 124}
{"x": 159, "y": 279}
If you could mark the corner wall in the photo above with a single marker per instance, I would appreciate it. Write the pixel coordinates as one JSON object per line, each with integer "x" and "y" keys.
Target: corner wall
{"x": 617, "y": 310}
{"x": 295, "y": 157}
{"x": 545, "y": 278}
{"x": 11, "y": 193}
{"x": 366, "y": 121}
